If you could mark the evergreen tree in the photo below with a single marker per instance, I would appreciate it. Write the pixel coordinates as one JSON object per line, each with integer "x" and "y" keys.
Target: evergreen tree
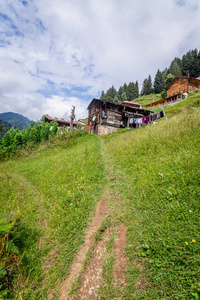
{"x": 116, "y": 99}
{"x": 124, "y": 97}
{"x": 147, "y": 86}
{"x": 195, "y": 67}
{"x": 130, "y": 91}
{"x": 110, "y": 94}
{"x": 168, "y": 79}
{"x": 125, "y": 87}
{"x": 102, "y": 97}
{"x": 175, "y": 69}
{"x": 120, "y": 92}
{"x": 136, "y": 90}
{"x": 158, "y": 82}
{"x": 187, "y": 61}
{"x": 143, "y": 91}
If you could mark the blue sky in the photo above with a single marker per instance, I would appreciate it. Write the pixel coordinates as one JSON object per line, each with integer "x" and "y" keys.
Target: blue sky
{"x": 59, "y": 53}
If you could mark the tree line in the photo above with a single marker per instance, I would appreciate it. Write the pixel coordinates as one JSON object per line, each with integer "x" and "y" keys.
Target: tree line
{"x": 189, "y": 65}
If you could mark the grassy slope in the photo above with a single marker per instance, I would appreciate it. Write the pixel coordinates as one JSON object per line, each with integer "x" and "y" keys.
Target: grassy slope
{"x": 52, "y": 193}
{"x": 160, "y": 182}
{"x": 146, "y": 99}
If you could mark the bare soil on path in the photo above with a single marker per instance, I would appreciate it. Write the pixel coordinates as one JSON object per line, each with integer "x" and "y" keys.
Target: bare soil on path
{"x": 91, "y": 278}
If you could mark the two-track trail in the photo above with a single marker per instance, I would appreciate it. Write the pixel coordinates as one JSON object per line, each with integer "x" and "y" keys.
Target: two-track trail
{"x": 86, "y": 279}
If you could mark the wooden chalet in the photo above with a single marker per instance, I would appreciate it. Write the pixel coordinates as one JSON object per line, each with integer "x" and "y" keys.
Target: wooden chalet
{"x": 106, "y": 117}
{"x": 178, "y": 89}
{"x": 62, "y": 122}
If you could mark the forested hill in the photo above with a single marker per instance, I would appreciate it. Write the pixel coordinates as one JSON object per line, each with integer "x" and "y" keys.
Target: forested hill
{"x": 16, "y": 120}
{"x": 189, "y": 64}
{"x": 4, "y": 127}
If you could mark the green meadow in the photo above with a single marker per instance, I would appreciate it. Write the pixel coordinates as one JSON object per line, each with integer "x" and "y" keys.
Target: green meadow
{"x": 49, "y": 194}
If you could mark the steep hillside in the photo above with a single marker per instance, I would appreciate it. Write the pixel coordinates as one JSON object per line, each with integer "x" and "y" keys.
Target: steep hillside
{"x": 16, "y": 120}
{"x": 159, "y": 179}
{"x": 146, "y": 99}
{"x": 141, "y": 188}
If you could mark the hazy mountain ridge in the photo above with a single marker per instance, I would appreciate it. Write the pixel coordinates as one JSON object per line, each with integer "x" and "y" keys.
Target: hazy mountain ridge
{"x": 15, "y": 119}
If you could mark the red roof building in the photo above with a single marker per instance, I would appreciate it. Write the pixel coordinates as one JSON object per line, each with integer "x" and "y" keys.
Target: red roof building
{"x": 62, "y": 122}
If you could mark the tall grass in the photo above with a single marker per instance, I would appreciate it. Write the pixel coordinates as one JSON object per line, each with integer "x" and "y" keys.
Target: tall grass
{"x": 52, "y": 193}
{"x": 160, "y": 182}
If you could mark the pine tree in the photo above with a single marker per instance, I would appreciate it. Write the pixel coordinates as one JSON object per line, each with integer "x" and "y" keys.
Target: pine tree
{"x": 147, "y": 86}
{"x": 195, "y": 67}
{"x": 187, "y": 61}
{"x": 175, "y": 68}
{"x": 110, "y": 94}
{"x": 130, "y": 91}
{"x": 125, "y": 87}
{"x": 136, "y": 90}
{"x": 158, "y": 82}
{"x": 168, "y": 79}
{"x": 102, "y": 97}
{"x": 120, "y": 92}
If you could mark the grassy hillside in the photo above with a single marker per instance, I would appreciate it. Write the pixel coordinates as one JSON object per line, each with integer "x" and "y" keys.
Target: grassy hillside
{"x": 48, "y": 197}
{"x": 159, "y": 178}
{"x": 146, "y": 99}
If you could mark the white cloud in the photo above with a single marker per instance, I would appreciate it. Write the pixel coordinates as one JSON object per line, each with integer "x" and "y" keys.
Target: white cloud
{"x": 86, "y": 46}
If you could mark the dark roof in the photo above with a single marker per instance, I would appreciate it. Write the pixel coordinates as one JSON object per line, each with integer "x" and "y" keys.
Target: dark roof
{"x": 128, "y": 108}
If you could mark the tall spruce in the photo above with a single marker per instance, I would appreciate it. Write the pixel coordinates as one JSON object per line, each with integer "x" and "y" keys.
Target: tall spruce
{"x": 175, "y": 68}
{"x": 158, "y": 82}
{"x": 130, "y": 91}
{"x": 102, "y": 97}
{"x": 147, "y": 86}
{"x": 136, "y": 89}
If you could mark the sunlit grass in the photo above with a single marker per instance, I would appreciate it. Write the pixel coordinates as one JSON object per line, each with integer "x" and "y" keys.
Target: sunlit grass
{"x": 160, "y": 182}
{"x": 53, "y": 193}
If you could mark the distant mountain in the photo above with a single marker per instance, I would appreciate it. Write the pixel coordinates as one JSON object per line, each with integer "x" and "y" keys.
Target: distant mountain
{"x": 16, "y": 120}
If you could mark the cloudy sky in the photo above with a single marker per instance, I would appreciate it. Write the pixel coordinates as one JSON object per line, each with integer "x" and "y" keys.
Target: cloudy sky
{"x": 59, "y": 53}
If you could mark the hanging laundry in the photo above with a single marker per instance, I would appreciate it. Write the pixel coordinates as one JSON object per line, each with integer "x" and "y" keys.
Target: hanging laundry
{"x": 139, "y": 121}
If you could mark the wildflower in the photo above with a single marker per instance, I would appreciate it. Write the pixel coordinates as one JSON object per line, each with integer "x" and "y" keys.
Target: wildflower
{"x": 186, "y": 243}
{"x": 190, "y": 211}
{"x": 161, "y": 189}
{"x": 193, "y": 240}
{"x": 54, "y": 233}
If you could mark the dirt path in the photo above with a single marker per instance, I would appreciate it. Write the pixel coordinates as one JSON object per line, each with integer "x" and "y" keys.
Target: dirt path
{"x": 91, "y": 279}
{"x": 101, "y": 211}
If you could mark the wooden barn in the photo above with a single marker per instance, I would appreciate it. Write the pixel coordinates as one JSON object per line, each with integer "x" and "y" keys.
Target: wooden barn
{"x": 106, "y": 117}
{"x": 178, "y": 89}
